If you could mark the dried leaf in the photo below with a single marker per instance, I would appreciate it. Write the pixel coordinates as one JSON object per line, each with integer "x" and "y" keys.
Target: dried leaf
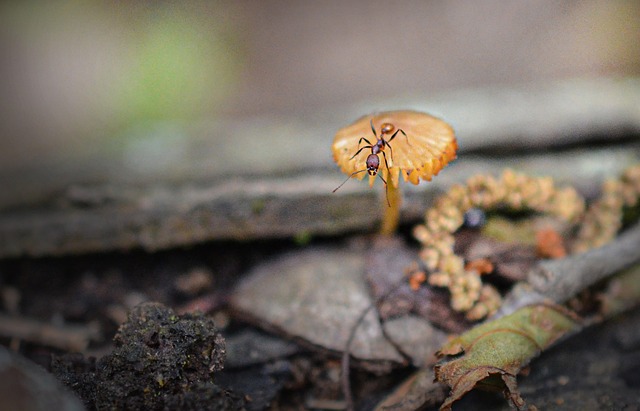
{"x": 417, "y": 392}
{"x": 491, "y": 355}
{"x": 506, "y": 230}
{"x": 389, "y": 281}
{"x": 549, "y": 244}
{"x": 511, "y": 261}
{"x": 481, "y": 265}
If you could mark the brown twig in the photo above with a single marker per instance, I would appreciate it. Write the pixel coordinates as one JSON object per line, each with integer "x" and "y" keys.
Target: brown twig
{"x": 559, "y": 280}
{"x": 346, "y": 381}
{"x": 66, "y": 337}
{"x": 344, "y": 363}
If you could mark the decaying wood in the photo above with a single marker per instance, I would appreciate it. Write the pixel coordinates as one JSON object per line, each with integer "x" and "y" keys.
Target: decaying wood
{"x": 563, "y": 278}
{"x": 101, "y": 218}
{"x": 69, "y": 338}
{"x": 558, "y": 280}
{"x": 225, "y": 186}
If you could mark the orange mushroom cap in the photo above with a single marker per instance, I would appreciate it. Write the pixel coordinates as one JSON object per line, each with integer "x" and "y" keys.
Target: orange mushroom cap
{"x": 429, "y": 145}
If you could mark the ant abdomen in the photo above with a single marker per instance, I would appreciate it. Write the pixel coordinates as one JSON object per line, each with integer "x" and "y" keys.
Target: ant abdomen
{"x": 373, "y": 163}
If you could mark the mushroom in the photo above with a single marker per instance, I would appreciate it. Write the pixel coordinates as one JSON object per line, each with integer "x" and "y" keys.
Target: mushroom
{"x": 416, "y": 145}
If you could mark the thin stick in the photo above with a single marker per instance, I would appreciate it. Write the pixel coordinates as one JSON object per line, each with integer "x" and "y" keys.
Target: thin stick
{"x": 346, "y": 382}
{"x": 559, "y": 280}
{"x": 68, "y": 338}
{"x": 344, "y": 363}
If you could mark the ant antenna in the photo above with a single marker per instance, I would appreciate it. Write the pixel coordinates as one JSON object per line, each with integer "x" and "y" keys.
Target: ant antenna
{"x": 386, "y": 187}
{"x": 352, "y": 174}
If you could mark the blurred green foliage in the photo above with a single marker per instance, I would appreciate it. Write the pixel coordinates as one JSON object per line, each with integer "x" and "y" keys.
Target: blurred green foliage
{"x": 83, "y": 68}
{"x": 181, "y": 68}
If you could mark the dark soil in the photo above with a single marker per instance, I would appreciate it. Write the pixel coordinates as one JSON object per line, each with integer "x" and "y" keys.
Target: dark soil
{"x": 149, "y": 362}
{"x": 160, "y": 361}
{"x": 167, "y": 358}
{"x": 157, "y": 359}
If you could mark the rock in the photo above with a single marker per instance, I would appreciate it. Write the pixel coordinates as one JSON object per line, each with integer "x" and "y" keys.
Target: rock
{"x": 319, "y": 295}
{"x": 28, "y": 387}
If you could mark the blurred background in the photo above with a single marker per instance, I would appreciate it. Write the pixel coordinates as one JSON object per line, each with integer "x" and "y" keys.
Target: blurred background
{"x": 130, "y": 91}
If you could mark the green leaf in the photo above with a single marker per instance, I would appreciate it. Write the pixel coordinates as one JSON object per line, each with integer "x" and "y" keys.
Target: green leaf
{"x": 490, "y": 355}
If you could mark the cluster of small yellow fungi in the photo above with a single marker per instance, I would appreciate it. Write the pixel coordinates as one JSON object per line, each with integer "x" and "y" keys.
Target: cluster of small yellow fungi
{"x": 603, "y": 220}
{"x": 426, "y": 145}
{"x": 513, "y": 191}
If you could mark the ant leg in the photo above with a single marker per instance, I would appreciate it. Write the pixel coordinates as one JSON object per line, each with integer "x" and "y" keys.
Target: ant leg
{"x": 373, "y": 130}
{"x": 385, "y": 158}
{"x": 386, "y": 186}
{"x": 390, "y": 152}
{"x": 361, "y": 148}
{"x": 394, "y": 135}
{"x": 352, "y": 174}
{"x": 362, "y": 138}
{"x": 405, "y": 135}
{"x": 386, "y": 189}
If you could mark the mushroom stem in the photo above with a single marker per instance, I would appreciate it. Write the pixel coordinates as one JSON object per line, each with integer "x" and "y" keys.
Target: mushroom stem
{"x": 391, "y": 216}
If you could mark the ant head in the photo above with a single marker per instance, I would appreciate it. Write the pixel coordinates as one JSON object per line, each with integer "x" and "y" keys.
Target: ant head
{"x": 373, "y": 163}
{"x": 386, "y": 128}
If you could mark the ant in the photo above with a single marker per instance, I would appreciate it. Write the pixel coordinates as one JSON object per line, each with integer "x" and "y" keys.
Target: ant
{"x": 373, "y": 160}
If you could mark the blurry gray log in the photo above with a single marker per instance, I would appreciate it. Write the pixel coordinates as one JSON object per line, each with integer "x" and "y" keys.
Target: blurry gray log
{"x": 267, "y": 178}
{"x": 560, "y": 279}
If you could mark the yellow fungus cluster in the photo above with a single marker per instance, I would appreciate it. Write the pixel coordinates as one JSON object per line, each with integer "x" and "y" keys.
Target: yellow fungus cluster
{"x": 603, "y": 220}
{"x": 512, "y": 191}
